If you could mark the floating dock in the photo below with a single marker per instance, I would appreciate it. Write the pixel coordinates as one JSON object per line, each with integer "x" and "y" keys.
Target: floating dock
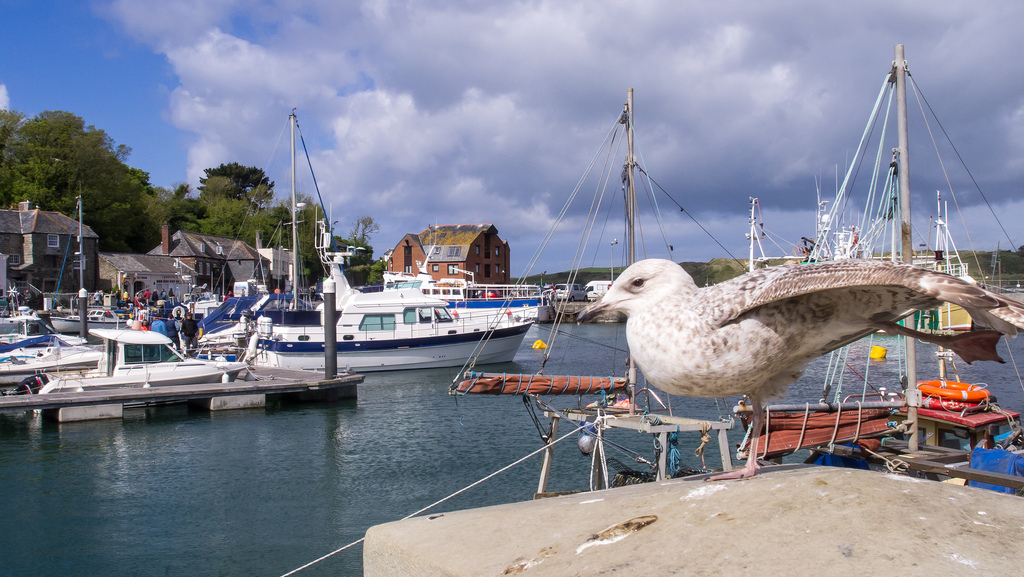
{"x": 267, "y": 384}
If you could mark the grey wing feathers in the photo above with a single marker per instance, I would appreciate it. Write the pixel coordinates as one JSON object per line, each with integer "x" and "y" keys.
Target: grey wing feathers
{"x": 764, "y": 286}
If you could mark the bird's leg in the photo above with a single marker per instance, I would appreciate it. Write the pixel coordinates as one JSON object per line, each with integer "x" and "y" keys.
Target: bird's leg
{"x": 750, "y": 469}
{"x": 970, "y": 346}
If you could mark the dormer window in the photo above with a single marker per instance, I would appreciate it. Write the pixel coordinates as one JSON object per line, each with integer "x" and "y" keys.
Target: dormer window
{"x": 202, "y": 247}
{"x": 454, "y": 250}
{"x": 220, "y": 249}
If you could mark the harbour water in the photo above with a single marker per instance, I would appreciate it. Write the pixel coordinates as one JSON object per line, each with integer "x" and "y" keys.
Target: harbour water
{"x": 169, "y": 491}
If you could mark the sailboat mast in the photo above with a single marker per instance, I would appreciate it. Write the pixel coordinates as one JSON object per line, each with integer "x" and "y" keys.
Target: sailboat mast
{"x": 630, "y": 187}
{"x": 295, "y": 226}
{"x": 906, "y": 241}
{"x": 630, "y": 225}
{"x": 83, "y": 303}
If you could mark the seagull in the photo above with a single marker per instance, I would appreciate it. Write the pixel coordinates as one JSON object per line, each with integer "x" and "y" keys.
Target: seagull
{"x": 754, "y": 335}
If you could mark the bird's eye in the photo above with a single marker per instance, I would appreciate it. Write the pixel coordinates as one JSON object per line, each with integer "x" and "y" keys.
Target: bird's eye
{"x": 638, "y": 282}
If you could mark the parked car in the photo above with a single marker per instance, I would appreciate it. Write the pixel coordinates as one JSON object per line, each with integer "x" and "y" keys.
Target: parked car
{"x": 595, "y": 289}
{"x": 569, "y": 292}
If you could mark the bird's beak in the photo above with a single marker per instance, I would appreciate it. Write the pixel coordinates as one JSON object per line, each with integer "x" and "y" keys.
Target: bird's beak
{"x": 592, "y": 311}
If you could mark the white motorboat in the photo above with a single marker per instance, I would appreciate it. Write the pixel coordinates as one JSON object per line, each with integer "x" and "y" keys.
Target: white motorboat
{"x": 387, "y": 330}
{"x": 142, "y": 359}
{"x": 28, "y": 325}
{"x": 96, "y": 319}
{"x": 44, "y": 354}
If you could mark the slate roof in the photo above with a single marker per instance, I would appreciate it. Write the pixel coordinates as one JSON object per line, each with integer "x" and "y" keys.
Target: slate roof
{"x": 187, "y": 244}
{"x": 454, "y": 240}
{"x": 140, "y": 263}
{"x": 40, "y": 222}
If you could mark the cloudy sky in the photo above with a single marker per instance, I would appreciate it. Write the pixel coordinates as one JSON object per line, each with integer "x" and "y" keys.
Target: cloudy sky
{"x": 463, "y": 111}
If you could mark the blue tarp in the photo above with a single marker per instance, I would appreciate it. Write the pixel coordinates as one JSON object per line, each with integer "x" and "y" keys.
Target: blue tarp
{"x": 830, "y": 460}
{"x": 997, "y": 461}
{"x": 43, "y": 341}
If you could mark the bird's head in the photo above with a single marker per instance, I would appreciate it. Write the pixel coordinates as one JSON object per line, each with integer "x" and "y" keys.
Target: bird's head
{"x": 645, "y": 283}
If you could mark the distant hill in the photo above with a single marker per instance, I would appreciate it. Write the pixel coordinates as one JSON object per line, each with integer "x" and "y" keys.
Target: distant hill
{"x": 1009, "y": 269}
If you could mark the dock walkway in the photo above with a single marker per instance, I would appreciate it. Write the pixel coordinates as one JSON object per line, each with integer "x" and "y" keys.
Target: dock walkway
{"x": 267, "y": 383}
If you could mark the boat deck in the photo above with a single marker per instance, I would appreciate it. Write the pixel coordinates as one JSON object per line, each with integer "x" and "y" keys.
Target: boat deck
{"x": 267, "y": 383}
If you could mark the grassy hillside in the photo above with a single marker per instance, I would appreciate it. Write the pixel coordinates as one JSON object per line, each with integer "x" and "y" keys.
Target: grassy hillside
{"x": 1009, "y": 269}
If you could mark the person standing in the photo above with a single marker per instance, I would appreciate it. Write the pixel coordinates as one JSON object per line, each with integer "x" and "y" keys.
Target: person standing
{"x": 172, "y": 330}
{"x": 189, "y": 330}
{"x": 159, "y": 326}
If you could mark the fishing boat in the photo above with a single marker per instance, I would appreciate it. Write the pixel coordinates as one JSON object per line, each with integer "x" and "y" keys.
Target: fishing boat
{"x": 936, "y": 413}
{"x": 141, "y": 359}
{"x": 44, "y": 354}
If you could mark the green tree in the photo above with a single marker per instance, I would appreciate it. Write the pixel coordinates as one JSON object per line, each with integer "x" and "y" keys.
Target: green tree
{"x": 237, "y": 182}
{"x": 54, "y": 157}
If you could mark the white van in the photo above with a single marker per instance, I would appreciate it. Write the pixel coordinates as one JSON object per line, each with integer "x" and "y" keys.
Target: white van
{"x": 595, "y": 289}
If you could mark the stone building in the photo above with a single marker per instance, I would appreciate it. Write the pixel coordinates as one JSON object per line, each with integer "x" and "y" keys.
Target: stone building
{"x": 41, "y": 248}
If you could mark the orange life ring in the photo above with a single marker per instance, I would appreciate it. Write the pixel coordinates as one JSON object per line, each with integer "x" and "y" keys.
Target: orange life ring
{"x": 953, "y": 390}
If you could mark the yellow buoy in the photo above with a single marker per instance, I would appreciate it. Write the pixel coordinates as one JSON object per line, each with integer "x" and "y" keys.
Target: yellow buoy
{"x": 877, "y": 352}
{"x": 539, "y": 344}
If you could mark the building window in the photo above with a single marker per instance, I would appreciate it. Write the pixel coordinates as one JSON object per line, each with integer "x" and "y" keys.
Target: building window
{"x": 477, "y": 250}
{"x": 453, "y": 269}
{"x": 497, "y": 251}
{"x": 408, "y": 269}
{"x": 477, "y": 268}
{"x": 437, "y": 250}
{"x": 454, "y": 250}
{"x": 202, "y": 247}
{"x": 52, "y": 241}
{"x": 436, "y": 268}
{"x": 14, "y": 260}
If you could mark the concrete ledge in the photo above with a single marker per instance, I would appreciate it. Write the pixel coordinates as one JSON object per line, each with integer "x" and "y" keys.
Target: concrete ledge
{"x": 90, "y": 413}
{"x": 807, "y": 521}
{"x": 232, "y": 402}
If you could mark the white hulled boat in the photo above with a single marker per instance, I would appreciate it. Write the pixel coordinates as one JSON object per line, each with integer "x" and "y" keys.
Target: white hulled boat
{"x": 388, "y": 330}
{"x": 43, "y": 354}
{"x": 142, "y": 359}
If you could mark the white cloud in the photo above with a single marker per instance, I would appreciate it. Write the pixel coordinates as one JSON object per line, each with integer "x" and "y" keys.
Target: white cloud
{"x": 5, "y": 99}
{"x": 465, "y": 112}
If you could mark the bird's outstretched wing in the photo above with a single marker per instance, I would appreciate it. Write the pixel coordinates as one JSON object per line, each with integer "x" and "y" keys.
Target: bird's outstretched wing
{"x": 773, "y": 284}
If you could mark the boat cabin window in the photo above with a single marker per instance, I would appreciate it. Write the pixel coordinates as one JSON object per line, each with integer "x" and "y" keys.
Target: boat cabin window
{"x": 442, "y": 315}
{"x": 420, "y": 315}
{"x": 149, "y": 354}
{"x": 377, "y": 323}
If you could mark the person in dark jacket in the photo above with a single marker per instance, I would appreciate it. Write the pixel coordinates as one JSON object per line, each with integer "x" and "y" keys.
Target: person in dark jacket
{"x": 189, "y": 329}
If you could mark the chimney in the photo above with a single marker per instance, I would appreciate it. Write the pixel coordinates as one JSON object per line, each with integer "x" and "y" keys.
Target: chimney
{"x": 25, "y": 205}
{"x": 165, "y": 239}
{"x": 259, "y": 244}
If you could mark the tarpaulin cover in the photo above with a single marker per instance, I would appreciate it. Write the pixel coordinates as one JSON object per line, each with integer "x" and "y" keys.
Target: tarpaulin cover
{"x": 997, "y": 461}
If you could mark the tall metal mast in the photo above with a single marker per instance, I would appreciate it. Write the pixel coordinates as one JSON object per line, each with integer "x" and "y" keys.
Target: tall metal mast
{"x": 295, "y": 226}
{"x": 627, "y": 119}
{"x": 907, "y": 246}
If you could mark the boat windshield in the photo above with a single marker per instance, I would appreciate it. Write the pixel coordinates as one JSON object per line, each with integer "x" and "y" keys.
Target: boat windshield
{"x": 149, "y": 354}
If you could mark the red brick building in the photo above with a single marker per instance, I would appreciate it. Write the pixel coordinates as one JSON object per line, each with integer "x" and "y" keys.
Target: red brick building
{"x": 468, "y": 251}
